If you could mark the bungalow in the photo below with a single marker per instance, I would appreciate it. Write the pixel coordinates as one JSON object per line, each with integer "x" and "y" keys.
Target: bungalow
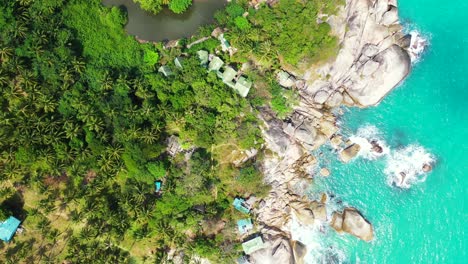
{"x": 178, "y": 62}
{"x": 215, "y": 64}
{"x": 240, "y": 205}
{"x": 8, "y": 228}
{"x": 253, "y": 245}
{"x": 165, "y": 70}
{"x": 224, "y": 43}
{"x": 158, "y": 185}
{"x": 244, "y": 225}
{"x": 203, "y": 57}
{"x": 243, "y": 86}
{"x": 228, "y": 75}
{"x": 242, "y": 260}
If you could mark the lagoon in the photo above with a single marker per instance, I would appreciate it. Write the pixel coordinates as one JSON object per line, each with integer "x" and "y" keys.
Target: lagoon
{"x": 166, "y": 25}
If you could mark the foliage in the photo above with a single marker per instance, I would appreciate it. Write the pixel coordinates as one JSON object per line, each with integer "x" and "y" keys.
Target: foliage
{"x": 155, "y": 6}
{"x": 85, "y": 116}
{"x": 179, "y": 6}
{"x": 287, "y": 32}
{"x": 151, "y": 56}
{"x": 242, "y": 23}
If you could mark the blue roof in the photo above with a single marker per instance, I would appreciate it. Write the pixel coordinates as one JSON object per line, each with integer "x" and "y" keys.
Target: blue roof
{"x": 8, "y": 228}
{"x": 239, "y": 205}
{"x": 244, "y": 225}
{"x": 158, "y": 185}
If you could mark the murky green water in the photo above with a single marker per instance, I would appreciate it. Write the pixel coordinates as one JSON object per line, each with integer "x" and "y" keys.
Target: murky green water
{"x": 167, "y": 25}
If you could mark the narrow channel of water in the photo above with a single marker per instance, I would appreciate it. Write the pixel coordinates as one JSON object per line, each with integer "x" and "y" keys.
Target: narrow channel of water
{"x": 167, "y": 25}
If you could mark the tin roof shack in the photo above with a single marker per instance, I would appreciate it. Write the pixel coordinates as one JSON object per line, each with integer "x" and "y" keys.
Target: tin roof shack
{"x": 178, "y": 61}
{"x": 243, "y": 86}
{"x": 165, "y": 70}
{"x": 8, "y": 228}
{"x": 228, "y": 76}
{"x": 215, "y": 64}
{"x": 241, "y": 206}
{"x": 244, "y": 226}
{"x": 203, "y": 57}
{"x": 253, "y": 245}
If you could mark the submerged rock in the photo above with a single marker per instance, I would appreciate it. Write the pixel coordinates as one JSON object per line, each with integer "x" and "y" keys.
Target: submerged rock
{"x": 355, "y": 224}
{"x": 324, "y": 172}
{"x": 427, "y": 167}
{"x": 349, "y": 153}
{"x": 376, "y": 147}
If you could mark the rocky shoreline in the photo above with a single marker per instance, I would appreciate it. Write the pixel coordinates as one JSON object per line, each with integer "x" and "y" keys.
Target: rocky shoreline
{"x": 374, "y": 58}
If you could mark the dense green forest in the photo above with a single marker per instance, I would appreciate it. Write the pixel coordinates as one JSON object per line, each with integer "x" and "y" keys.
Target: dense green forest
{"x": 85, "y": 118}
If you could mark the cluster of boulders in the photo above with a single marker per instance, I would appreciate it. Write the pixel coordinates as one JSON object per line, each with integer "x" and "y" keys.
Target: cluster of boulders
{"x": 351, "y": 221}
{"x": 371, "y": 62}
{"x": 372, "y": 59}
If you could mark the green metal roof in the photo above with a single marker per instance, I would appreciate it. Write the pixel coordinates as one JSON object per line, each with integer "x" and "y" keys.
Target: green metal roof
{"x": 8, "y": 228}
{"x": 253, "y": 245}
{"x": 243, "y": 86}
{"x": 224, "y": 43}
{"x": 283, "y": 76}
{"x": 215, "y": 64}
{"x": 165, "y": 70}
{"x": 229, "y": 74}
{"x": 203, "y": 56}
{"x": 178, "y": 62}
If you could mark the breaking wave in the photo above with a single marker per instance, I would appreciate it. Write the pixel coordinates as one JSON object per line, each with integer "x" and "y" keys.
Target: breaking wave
{"x": 404, "y": 166}
{"x": 370, "y": 138}
{"x": 418, "y": 44}
{"x": 319, "y": 247}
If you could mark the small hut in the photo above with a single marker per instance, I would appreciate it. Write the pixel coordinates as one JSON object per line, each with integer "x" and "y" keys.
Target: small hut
{"x": 244, "y": 225}
{"x": 203, "y": 57}
{"x": 8, "y": 228}
{"x": 240, "y": 205}
{"x": 165, "y": 70}
{"x": 243, "y": 86}
{"x": 158, "y": 186}
{"x": 253, "y": 245}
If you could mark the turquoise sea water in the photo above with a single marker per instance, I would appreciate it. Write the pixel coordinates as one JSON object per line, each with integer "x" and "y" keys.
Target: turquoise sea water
{"x": 426, "y": 223}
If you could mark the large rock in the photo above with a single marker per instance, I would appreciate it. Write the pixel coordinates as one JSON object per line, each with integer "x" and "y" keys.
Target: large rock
{"x": 355, "y": 224}
{"x": 277, "y": 250}
{"x": 299, "y": 250}
{"x": 304, "y": 215}
{"x": 306, "y": 134}
{"x": 337, "y": 222}
{"x": 370, "y": 62}
{"x": 320, "y": 212}
{"x": 349, "y": 153}
{"x": 381, "y": 74}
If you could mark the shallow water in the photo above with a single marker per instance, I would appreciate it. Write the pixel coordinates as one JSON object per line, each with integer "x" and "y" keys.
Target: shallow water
{"x": 427, "y": 222}
{"x": 167, "y": 25}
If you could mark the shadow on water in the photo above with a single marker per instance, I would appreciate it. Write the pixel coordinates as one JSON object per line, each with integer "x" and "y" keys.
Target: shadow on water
{"x": 166, "y": 25}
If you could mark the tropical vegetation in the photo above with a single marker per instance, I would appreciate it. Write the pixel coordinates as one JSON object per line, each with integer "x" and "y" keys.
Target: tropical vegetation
{"x": 86, "y": 117}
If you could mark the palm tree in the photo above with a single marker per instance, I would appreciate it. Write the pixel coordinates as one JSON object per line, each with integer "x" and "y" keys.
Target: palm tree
{"x": 5, "y": 54}
{"x": 78, "y": 65}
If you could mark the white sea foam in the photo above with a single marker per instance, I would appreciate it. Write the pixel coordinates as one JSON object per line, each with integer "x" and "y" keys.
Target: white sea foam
{"x": 404, "y": 166}
{"x": 418, "y": 45}
{"x": 314, "y": 237}
{"x": 364, "y": 136}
